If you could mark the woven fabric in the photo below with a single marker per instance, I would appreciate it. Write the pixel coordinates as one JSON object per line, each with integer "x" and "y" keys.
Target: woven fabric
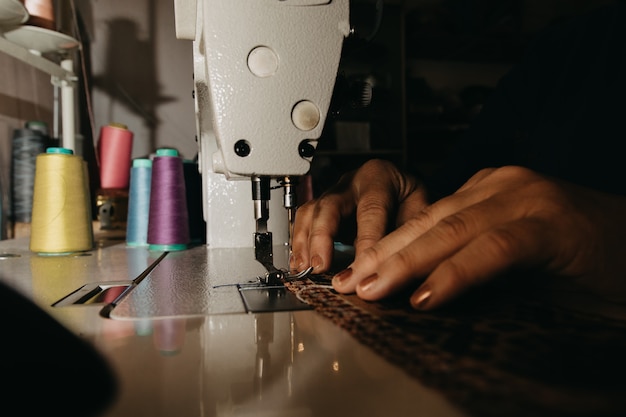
{"x": 493, "y": 356}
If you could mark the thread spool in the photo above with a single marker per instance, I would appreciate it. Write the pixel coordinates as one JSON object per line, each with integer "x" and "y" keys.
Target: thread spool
{"x": 41, "y": 13}
{"x": 38, "y": 126}
{"x": 27, "y": 144}
{"x": 61, "y": 219}
{"x": 139, "y": 202}
{"x": 168, "y": 222}
{"x": 115, "y": 147}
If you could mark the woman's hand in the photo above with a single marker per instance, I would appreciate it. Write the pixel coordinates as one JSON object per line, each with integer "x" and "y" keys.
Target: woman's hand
{"x": 378, "y": 196}
{"x": 500, "y": 219}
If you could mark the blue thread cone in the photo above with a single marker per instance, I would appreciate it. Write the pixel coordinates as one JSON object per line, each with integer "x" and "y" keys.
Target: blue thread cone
{"x": 139, "y": 202}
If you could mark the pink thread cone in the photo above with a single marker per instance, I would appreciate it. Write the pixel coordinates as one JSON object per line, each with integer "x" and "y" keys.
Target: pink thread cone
{"x": 115, "y": 147}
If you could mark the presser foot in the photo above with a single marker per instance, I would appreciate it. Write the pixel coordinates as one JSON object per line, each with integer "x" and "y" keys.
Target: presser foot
{"x": 270, "y": 293}
{"x": 279, "y": 276}
{"x": 263, "y": 254}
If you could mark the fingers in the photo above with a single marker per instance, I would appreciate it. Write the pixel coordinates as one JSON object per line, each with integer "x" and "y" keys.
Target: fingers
{"x": 485, "y": 257}
{"x": 403, "y": 246}
{"x": 423, "y": 245}
{"x": 372, "y": 217}
{"x": 500, "y": 219}
{"x": 371, "y": 194}
{"x": 379, "y": 189}
{"x": 316, "y": 223}
{"x": 366, "y": 264}
{"x": 318, "y": 220}
{"x": 457, "y": 243}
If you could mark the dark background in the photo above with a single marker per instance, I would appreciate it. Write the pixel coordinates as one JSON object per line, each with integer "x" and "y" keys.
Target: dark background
{"x": 431, "y": 65}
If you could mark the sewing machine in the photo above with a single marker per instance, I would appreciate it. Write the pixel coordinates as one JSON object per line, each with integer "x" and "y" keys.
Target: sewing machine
{"x": 261, "y": 97}
{"x": 261, "y": 101}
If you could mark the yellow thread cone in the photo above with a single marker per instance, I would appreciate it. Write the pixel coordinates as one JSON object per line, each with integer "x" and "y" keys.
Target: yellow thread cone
{"x": 61, "y": 218}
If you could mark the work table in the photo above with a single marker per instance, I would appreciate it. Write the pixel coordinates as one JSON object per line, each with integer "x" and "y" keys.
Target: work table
{"x": 197, "y": 363}
{"x": 179, "y": 341}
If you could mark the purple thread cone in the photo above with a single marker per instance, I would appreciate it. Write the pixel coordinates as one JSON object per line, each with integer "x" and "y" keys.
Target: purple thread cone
{"x": 168, "y": 222}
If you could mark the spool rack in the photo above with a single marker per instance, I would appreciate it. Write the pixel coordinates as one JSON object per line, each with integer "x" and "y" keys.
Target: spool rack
{"x": 62, "y": 75}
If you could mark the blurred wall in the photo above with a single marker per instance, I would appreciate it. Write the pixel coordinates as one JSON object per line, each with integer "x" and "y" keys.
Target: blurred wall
{"x": 142, "y": 74}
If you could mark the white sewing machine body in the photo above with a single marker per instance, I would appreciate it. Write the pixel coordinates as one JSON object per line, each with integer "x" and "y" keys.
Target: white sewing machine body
{"x": 264, "y": 74}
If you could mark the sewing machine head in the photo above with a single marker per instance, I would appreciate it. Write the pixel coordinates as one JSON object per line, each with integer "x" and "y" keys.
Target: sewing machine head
{"x": 264, "y": 74}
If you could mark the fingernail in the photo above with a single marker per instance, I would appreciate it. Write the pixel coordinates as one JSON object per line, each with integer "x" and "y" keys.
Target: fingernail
{"x": 342, "y": 276}
{"x": 316, "y": 262}
{"x": 296, "y": 262}
{"x": 368, "y": 282}
{"x": 419, "y": 300}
